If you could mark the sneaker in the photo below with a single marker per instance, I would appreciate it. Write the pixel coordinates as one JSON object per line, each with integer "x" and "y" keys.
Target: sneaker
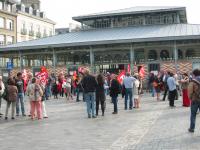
{"x": 6, "y": 118}
{"x": 17, "y": 115}
{"x": 191, "y": 130}
{"x": 24, "y": 115}
{"x": 89, "y": 116}
{"x": 13, "y": 118}
{"x": 1, "y": 114}
{"x": 94, "y": 116}
{"x": 46, "y": 117}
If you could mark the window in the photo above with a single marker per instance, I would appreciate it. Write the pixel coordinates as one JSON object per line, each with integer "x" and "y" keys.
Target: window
{"x": 1, "y": 22}
{"x": 9, "y": 7}
{"x": 50, "y": 32}
{"x": 9, "y": 24}
{"x": 1, "y": 5}
{"x": 164, "y": 54}
{"x": 45, "y": 32}
{"x": 154, "y": 67}
{"x": 2, "y": 40}
{"x": 152, "y": 55}
{"x": 9, "y": 40}
{"x": 139, "y": 55}
{"x": 38, "y": 28}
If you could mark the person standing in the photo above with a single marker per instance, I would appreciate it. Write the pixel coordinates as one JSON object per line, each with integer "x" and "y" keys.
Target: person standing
{"x": 89, "y": 84}
{"x": 55, "y": 89}
{"x": 100, "y": 94}
{"x": 115, "y": 89}
{"x": 194, "y": 95}
{"x": 19, "y": 82}
{"x": 12, "y": 98}
{"x": 2, "y": 89}
{"x": 35, "y": 96}
{"x": 67, "y": 88}
{"x": 137, "y": 90}
{"x": 184, "y": 84}
{"x": 166, "y": 88}
{"x": 128, "y": 84}
{"x": 157, "y": 86}
{"x": 172, "y": 89}
{"x": 43, "y": 105}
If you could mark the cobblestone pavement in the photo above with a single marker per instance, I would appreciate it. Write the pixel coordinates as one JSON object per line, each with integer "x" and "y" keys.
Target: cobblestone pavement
{"x": 154, "y": 126}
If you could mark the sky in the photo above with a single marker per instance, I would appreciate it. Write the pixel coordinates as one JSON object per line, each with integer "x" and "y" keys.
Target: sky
{"x": 62, "y": 11}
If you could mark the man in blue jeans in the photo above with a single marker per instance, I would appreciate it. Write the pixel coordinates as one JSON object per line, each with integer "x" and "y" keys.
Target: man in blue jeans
{"x": 128, "y": 82}
{"x": 89, "y": 84}
{"x": 19, "y": 82}
{"x": 194, "y": 95}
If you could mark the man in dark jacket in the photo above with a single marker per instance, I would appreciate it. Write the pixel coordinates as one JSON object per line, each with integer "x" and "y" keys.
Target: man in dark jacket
{"x": 194, "y": 95}
{"x": 89, "y": 84}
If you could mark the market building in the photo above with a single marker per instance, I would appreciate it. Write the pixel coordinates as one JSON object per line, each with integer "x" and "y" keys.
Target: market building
{"x": 155, "y": 38}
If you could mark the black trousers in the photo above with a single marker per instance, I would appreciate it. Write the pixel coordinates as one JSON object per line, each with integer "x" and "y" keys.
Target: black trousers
{"x": 172, "y": 96}
{"x": 102, "y": 102}
{"x": 165, "y": 92}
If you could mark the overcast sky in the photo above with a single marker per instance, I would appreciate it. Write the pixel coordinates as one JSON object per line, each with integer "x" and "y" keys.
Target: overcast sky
{"x": 61, "y": 11}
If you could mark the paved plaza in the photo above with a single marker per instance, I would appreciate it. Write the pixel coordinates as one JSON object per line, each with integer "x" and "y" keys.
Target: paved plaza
{"x": 154, "y": 126}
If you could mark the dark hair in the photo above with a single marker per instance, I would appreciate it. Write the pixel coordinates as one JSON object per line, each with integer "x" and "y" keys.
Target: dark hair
{"x": 171, "y": 74}
{"x": 196, "y": 72}
{"x": 100, "y": 79}
{"x": 11, "y": 81}
{"x": 185, "y": 74}
{"x": 33, "y": 80}
{"x": 19, "y": 74}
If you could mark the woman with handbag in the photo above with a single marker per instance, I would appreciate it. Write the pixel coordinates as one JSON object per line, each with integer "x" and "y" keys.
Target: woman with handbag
{"x": 35, "y": 96}
{"x": 11, "y": 98}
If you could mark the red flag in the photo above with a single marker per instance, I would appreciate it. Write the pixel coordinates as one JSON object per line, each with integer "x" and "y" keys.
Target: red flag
{"x": 42, "y": 75}
{"x": 129, "y": 68}
{"x": 142, "y": 72}
{"x": 121, "y": 76}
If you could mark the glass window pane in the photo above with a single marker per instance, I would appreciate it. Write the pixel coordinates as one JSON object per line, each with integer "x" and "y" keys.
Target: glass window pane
{"x": 1, "y": 22}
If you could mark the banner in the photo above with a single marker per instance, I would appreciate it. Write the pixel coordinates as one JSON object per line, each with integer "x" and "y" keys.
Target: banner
{"x": 121, "y": 76}
{"x": 142, "y": 72}
{"x": 42, "y": 75}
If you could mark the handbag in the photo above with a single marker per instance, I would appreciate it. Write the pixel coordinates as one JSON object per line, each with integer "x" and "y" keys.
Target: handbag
{"x": 5, "y": 94}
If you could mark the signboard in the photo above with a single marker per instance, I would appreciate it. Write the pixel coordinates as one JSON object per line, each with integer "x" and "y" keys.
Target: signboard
{"x": 9, "y": 65}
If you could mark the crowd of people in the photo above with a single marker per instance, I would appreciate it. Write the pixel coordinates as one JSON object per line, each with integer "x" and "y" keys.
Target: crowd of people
{"x": 95, "y": 89}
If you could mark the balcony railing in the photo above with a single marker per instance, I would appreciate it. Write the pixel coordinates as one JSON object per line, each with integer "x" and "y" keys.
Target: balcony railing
{"x": 31, "y": 33}
{"x": 45, "y": 35}
{"x": 24, "y": 31}
{"x": 38, "y": 35}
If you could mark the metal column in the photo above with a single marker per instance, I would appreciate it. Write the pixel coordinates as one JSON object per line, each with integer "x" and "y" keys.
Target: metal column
{"x": 54, "y": 61}
{"x": 21, "y": 60}
{"x": 132, "y": 58}
{"x": 175, "y": 56}
{"x": 92, "y": 60}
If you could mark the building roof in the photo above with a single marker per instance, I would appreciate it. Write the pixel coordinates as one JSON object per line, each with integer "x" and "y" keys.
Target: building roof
{"x": 113, "y": 35}
{"x": 132, "y": 10}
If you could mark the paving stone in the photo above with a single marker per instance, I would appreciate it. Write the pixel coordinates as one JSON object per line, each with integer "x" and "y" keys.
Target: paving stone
{"x": 154, "y": 126}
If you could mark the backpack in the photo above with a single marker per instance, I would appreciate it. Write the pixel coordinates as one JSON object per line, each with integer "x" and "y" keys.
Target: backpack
{"x": 196, "y": 91}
